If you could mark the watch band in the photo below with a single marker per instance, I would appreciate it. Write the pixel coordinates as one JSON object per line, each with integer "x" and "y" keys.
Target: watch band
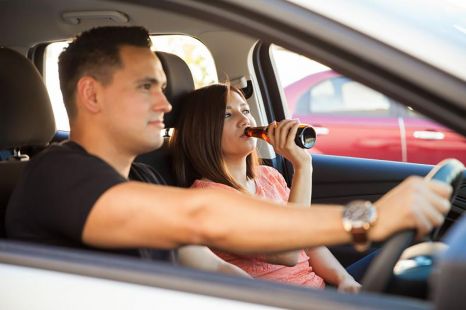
{"x": 359, "y": 235}
{"x": 360, "y": 239}
{"x": 358, "y": 217}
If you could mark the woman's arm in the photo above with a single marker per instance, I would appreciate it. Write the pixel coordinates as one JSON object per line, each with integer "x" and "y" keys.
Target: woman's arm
{"x": 321, "y": 259}
{"x": 300, "y": 193}
{"x": 282, "y": 138}
{"x": 202, "y": 258}
{"x": 329, "y": 268}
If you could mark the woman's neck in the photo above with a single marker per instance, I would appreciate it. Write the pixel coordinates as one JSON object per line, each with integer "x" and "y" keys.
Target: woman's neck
{"x": 237, "y": 169}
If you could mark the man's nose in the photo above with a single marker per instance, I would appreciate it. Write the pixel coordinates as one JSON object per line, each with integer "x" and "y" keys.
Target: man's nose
{"x": 161, "y": 103}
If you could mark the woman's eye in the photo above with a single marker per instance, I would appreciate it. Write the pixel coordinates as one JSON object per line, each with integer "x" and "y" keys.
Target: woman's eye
{"x": 227, "y": 115}
{"x": 246, "y": 112}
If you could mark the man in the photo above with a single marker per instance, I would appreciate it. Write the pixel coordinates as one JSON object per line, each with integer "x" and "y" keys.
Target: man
{"x": 89, "y": 193}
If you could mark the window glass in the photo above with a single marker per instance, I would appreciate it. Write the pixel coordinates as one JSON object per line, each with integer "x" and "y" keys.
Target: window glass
{"x": 355, "y": 97}
{"x": 323, "y": 98}
{"x": 52, "y": 82}
{"x": 191, "y": 50}
{"x": 343, "y": 96}
{"x": 352, "y": 119}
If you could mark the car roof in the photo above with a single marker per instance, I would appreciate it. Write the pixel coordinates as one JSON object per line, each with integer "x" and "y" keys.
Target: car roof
{"x": 377, "y": 65}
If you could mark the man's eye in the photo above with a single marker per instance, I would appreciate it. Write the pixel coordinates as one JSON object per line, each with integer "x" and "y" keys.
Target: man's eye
{"x": 146, "y": 86}
{"x": 246, "y": 112}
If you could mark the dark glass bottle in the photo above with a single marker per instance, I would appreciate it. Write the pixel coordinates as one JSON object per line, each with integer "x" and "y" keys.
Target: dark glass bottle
{"x": 305, "y": 136}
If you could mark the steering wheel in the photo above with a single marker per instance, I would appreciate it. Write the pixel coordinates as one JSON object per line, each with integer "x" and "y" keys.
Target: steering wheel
{"x": 380, "y": 271}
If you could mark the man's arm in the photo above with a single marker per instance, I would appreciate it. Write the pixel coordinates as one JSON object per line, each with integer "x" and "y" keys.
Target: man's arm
{"x": 135, "y": 214}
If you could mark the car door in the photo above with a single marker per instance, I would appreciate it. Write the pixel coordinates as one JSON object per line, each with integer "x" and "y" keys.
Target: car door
{"x": 429, "y": 142}
{"x": 350, "y": 119}
{"x": 364, "y": 123}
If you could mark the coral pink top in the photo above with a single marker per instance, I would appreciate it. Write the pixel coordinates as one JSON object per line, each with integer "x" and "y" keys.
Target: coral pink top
{"x": 270, "y": 185}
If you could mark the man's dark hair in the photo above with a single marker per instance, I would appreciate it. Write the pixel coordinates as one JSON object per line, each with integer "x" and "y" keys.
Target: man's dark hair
{"x": 95, "y": 53}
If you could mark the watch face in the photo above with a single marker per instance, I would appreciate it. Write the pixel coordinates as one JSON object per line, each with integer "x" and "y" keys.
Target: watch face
{"x": 360, "y": 214}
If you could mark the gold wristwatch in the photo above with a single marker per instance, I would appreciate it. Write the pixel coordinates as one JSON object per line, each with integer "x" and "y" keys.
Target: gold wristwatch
{"x": 358, "y": 218}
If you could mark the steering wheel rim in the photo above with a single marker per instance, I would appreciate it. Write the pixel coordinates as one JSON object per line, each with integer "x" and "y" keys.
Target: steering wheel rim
{"x": 380, "y": 271}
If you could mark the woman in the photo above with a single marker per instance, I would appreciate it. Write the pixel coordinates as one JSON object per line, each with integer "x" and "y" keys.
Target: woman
{"x": 211, "y": 150}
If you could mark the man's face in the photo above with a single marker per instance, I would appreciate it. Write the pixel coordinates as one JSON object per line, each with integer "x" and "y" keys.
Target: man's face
{"x": 133, "y": 103}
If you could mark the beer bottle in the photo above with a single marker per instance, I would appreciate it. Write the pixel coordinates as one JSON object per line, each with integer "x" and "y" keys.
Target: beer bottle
{"x": 305, "y": 136}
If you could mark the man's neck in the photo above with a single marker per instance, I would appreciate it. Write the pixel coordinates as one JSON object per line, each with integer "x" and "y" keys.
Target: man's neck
{"x": 104, "y": 149}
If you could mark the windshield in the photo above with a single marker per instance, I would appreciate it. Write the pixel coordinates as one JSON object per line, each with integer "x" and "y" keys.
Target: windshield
{"x": 431, "y": 30}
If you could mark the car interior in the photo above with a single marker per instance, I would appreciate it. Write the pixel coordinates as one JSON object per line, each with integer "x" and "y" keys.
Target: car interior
{"x": 27, "y": 126}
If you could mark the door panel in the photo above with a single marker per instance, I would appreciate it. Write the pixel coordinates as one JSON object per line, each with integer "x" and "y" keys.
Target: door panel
{"x": 339, "y": 180}
{"x": 428, "y": 142}
{"x": 150, "y": 284}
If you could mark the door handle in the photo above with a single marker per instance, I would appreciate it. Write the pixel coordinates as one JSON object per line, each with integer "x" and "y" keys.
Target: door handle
{"x": 428, "y": 135}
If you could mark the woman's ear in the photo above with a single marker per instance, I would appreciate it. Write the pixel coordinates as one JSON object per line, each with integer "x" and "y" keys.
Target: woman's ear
{"x": 87, "y": 96}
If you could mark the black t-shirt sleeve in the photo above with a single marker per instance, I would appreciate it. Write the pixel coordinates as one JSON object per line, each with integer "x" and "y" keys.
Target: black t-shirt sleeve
{"x": 65, "y": 187}
{"x": 145, "y": 173}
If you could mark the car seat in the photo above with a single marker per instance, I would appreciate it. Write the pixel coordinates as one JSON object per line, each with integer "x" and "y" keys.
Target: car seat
{"x": 26, "y": 119}
{"x": 179, "y": 83}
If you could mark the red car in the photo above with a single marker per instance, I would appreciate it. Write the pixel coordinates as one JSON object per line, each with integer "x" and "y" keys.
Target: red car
{"x": 353, "y": 120}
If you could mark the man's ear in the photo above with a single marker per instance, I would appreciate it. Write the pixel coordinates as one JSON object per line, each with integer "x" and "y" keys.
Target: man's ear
{"x": 87, "y": 90}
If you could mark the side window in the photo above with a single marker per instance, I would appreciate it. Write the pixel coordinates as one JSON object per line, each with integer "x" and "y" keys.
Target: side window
{"x": 352, "y": 119}
{"x": 323, "y": 98}
{"x": 340, "y": 95}
{"x": 191, "y": 50}
{"x": 361, "y": 99}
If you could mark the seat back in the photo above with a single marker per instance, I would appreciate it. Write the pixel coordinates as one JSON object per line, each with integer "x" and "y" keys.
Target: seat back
{"x": 179, "y": 83}
{"x": 26, "y": 119}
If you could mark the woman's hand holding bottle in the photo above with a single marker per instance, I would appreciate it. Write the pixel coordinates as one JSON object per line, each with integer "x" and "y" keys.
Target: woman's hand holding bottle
{"x": 282, "y": 137}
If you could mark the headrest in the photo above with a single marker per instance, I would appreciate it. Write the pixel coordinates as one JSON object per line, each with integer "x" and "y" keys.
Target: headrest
{"x": 179, "y": 83}
{"x": 26, "y": 116}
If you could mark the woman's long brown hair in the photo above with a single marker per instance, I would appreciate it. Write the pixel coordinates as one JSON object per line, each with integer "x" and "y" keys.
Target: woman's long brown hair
{"x": 197, "y": 139}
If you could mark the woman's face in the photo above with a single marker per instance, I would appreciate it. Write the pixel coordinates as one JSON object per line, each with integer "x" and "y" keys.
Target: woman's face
{"x": 237, "y": 117}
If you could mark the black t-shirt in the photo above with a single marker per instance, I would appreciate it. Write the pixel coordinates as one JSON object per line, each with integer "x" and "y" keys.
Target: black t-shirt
{"x": 57, "y": 191}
